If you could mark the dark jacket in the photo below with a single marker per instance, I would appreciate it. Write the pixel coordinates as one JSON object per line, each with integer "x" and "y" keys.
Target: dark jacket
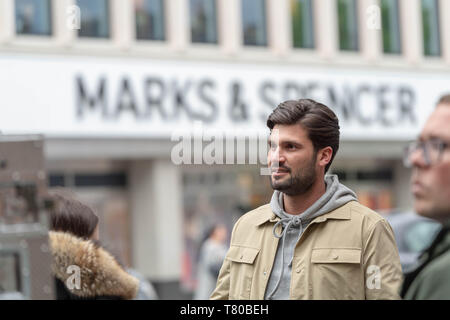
{"x": 100, "y": 275}
{"x": 431, "y": 280}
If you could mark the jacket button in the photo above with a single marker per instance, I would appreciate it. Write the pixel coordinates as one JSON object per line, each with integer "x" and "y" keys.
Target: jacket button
{"x": 298, "y": 270}
{"x": 242, "y": 256}
{"x": 335, "y": 257}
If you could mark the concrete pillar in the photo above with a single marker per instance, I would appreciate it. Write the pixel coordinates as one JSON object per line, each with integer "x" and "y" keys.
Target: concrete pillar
{"x": 444, "y": 21}
{"x": 370, "y": 29}
{"x": 411, "y": 30}
{"x": 64, "y": 21}
{"x": 156, "y": 219}
{"x": 279, "y": 32}
{"x": 122, "y": 28}
{"x": 178, "y": 25}
{"x": 403, "y": 197}
{"x": 229, "y": 25}
{"x": 7, "y": 23}
{"x": 325, "y": 22}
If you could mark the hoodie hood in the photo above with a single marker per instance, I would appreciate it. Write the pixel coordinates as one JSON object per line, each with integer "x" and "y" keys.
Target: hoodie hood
{"x": 335, "y": 196}
{"x": 100, "y": 273}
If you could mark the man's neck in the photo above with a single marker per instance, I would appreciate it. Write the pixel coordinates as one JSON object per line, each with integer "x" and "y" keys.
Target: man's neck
{"x": 299, "y": 203}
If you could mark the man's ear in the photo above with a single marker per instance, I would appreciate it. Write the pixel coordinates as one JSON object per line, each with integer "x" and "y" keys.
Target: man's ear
{"x": 324, "y": 156}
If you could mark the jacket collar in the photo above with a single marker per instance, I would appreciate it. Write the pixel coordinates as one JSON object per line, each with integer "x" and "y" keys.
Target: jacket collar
{"x": 341, "y": 213}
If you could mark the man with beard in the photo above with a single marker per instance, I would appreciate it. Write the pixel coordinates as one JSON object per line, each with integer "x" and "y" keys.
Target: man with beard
{"x": 429, "y": 158}
{"x": 314, "y": 240}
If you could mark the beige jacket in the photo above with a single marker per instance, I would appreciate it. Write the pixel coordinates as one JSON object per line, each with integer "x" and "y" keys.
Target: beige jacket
{"x": 348, "y": 253}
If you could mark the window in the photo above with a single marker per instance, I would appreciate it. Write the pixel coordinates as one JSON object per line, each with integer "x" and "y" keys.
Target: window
{"x": 94, "y": 18}
{"x": 254, "y": 22}
{"x": 203, "y": 21}
{"x": 430, "y": 25}
{"x": 391, "y": 26}
{"x": 10, "y": 275}
{"x": 302, "y": 23}
{"x": 33, "y": 17}
{"x": 348, "y": 25}
{"x": 149, "y": 19}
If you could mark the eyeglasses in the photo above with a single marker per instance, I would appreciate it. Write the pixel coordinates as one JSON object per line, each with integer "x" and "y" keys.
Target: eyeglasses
{"x": 431, "y": 151}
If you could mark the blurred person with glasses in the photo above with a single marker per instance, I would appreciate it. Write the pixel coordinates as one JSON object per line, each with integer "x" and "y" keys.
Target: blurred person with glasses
{"x": 429, "y": 158}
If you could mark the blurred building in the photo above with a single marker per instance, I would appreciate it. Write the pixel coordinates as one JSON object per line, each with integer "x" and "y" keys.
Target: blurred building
{"x": 114, "y": 85}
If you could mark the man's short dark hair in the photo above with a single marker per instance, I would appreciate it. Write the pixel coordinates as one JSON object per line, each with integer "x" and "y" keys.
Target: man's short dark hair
{"x": 445, "y": 99}
{"x": 320, "y": 122}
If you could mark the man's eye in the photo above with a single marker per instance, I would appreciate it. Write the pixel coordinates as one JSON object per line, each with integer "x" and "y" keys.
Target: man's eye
{"x": 290, "y": 147}
{"x": 433, "y": 144}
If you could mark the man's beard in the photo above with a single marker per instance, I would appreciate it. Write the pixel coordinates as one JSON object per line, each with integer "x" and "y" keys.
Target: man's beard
{"x": 299, "y": 182}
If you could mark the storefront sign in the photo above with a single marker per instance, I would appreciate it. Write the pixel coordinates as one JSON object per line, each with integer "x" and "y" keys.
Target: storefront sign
{"x": 76, "y": 96}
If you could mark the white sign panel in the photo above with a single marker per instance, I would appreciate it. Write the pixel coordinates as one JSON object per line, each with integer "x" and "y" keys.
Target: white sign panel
{"x": 112, "y": 97}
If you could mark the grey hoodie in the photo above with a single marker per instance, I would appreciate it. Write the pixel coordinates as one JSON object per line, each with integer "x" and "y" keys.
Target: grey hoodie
{"x": 335, "y": 196}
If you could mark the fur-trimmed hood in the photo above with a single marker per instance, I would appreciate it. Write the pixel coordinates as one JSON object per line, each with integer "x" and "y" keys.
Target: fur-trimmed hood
{"x": 100, "y": 273}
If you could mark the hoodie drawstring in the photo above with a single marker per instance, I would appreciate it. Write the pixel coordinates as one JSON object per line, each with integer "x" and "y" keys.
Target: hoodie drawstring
{"x": 291, "y": 222}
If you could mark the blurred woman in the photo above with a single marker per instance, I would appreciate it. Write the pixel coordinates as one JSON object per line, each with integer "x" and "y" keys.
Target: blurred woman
{"x": 82, "y": 268}
{"x": 212, "y": 254}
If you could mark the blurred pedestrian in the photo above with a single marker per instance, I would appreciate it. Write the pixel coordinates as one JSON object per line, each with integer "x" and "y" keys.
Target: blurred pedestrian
{"x": 314, "y": 240}
{"x": 82, "y": 268}
{"x": 212, "y": 252}
{"x": 146, "y": 290}
{"x": 430, "y": 185}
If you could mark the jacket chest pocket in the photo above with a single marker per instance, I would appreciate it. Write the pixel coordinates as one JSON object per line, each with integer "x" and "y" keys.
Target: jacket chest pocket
{"x": 336, "y": 274}
{"x": 241, "y": 270}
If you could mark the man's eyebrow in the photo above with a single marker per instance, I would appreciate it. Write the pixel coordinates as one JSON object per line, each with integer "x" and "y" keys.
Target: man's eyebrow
{"x": 297, "y": 143}
{"x": 435, "y": 137}
{"x": 429, "y": 137}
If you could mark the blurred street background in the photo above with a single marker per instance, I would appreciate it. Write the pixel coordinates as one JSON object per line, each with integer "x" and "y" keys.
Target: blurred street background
{"x": 109, "y": 83}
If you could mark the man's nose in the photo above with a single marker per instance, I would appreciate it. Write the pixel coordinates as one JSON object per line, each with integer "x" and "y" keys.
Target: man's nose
{"x": 417, "y": 158}
{"x": 277, "y": 156}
